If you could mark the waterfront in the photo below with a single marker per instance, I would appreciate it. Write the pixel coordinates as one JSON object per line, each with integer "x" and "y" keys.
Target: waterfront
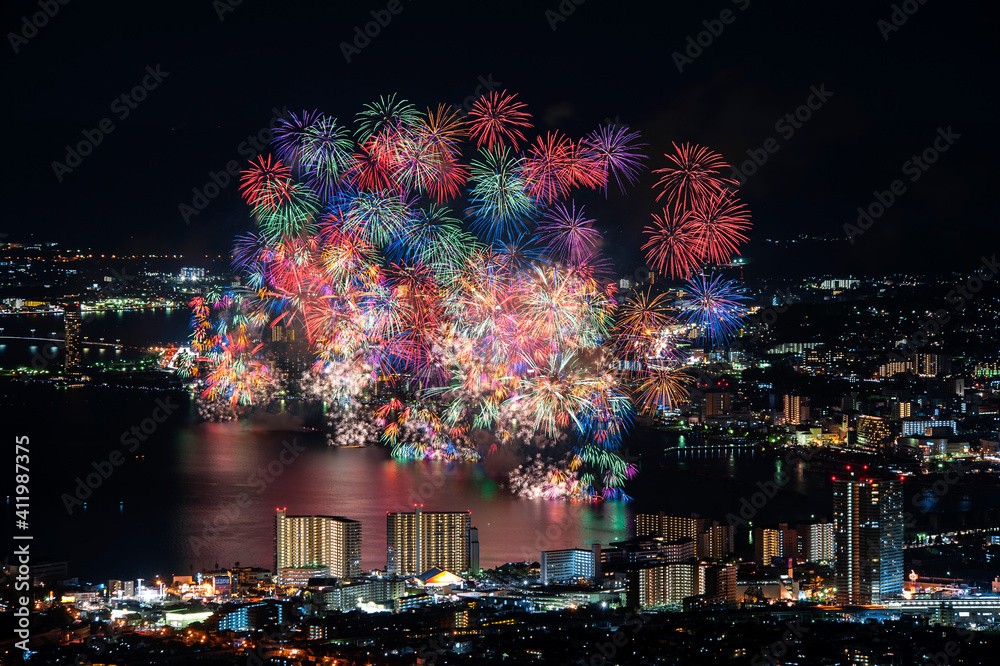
{"x": 191, "y": 494}
{"x": 174, "y": 503}
{"x": 134, "y": 329}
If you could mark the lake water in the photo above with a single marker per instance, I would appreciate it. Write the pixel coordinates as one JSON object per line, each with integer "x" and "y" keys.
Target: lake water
{"x": 193, "y": 494}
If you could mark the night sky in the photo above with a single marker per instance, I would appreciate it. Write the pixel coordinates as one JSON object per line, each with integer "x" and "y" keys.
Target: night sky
{"x": 604, "y": 60}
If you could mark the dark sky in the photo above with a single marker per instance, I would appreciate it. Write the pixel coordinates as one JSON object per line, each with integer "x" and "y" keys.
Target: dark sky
{"x": 605, "y": 60}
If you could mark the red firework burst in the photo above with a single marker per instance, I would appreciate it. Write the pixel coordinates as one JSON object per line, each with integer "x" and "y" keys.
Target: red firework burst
{"x": 721, "y": 220}
{"x": 675, "y": 244}
{"x": 373, "y": 166}
{"x": 549, "y": 169}
{"x": 695, "y": 175}
{"x": 496, "y": 117}
{"x": 266, "y": 184}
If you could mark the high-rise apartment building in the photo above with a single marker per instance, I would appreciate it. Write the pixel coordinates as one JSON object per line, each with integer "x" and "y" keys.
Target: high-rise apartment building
{"x": 769, "y": 543}
{"x": 662, "y": 584}
{"x": 868, "y": 536}
{"x": 417, "y": 541}
{"x": 816, "y": 542}
{"x": 717, "y": 541}
{"x": 796, "y": 409}
{"x": 333, "y": 542}
{"x": 74, "y": 325}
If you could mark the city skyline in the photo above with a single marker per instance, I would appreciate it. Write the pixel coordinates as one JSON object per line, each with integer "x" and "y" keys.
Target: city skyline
{"x": 553, "y": 332}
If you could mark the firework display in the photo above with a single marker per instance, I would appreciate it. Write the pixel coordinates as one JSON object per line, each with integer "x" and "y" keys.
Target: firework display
{"x": 454, "y": 297}
{"x": 702, "y": 220}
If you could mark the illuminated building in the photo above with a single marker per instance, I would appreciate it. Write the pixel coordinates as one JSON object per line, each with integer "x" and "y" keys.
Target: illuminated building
{"x": 74, "y": 325}
{"x": 796, "y": 409}
{"x": 927, "y": 365}
{"x": 874, "y": 432}
{"x": 670, "y": 527}
{"x": 664, "y": 584}
{"x": 249, "y": 617}
{"x": 816, "y": 542}
{"x": 247, "y": 579}
{"x": 987, "y": 370}
{"x": 720, "y": 584}
{"x": 623, "y": 555}
{"x": 902, "y": 409}
{"x": 572, "y": 565}
{"x": 923, "y": 364}
{"x": 333, "y": 542}
{"x": 300, "y": 576}
{"x": 868, "y": 519}
{"x": 713, "y": 540}
{"x": 839, "y": 283}
{"x": 192, "y": 274}
{"x": 716, "y": 542}
{"x": 769, "y": 543}
{"x": 937, "y": 444}
{"x": 920, "y": 426}
{"x": 893, "y": 368}
{"x": 792, "y": 347}
{"x": 349, "y": 595}
{"x": 417, "y": 541}
{"x": 766, "y": 545}
{"x": 717, "y": 403}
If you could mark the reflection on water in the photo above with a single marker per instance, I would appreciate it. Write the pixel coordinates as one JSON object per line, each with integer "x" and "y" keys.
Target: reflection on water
{"x": 231, "y": 477}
